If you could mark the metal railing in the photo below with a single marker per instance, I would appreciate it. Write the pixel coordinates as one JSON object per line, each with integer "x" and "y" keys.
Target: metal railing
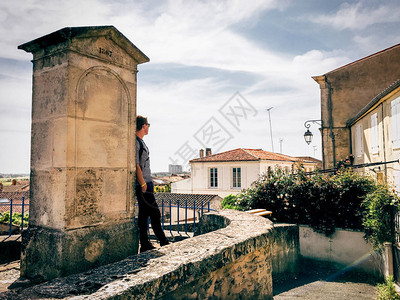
{"x": 167, "y": 208}
{"x": 179, "y": 217}
{"x": 12, "y": 206}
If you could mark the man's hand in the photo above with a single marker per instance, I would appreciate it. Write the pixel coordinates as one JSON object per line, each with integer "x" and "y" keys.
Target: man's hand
{"x": 144, "y": 188}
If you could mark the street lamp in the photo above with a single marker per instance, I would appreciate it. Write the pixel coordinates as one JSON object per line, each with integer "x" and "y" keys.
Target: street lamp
{"x": 308, "y": 134}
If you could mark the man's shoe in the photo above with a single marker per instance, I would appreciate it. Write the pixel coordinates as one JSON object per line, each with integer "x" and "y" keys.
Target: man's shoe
{"x": 164, "y": 243}
{"x": 145, "y": 248}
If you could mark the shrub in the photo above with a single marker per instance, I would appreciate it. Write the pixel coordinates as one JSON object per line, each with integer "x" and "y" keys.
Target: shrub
{"x": 324, "y": 202}
{"x": 229, "y": 202}
{"x": 387, "y": 290}
{"x": 380, "y": 206}
{"x": 16, "y": 218}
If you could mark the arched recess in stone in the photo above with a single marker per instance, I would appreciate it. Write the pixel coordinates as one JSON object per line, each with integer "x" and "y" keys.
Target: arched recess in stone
{"x": 103, "y": 147}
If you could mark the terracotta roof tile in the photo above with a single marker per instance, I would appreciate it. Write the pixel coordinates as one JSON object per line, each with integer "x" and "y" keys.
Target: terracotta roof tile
{"x": 242, "y": 154}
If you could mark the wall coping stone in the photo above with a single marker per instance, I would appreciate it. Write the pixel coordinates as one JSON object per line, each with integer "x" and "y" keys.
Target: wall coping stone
{"x": 158, "y": 272}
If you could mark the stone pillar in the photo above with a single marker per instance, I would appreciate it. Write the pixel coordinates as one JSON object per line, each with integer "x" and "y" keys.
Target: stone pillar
{"x": 82, "y": 151}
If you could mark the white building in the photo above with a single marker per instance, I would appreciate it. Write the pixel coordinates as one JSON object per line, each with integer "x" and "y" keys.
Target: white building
{"x": 375, "y": 136}
{"x": 175, "y": 169}
{"x": 231, "y": 171}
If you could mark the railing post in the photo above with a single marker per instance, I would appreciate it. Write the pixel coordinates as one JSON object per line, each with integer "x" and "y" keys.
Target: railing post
{"x": 186, "y": 216}
{"x": 11, "y": 205}
{"x": 194, "y": 216}
{"x": 170, "y": 216}
{"x": 162, "y": 213}
{"x": 22, "y": 210}
{"x": 177, "y": 208}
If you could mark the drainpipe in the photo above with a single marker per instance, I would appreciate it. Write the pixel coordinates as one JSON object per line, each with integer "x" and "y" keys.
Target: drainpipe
{"x": 331, "y": 135}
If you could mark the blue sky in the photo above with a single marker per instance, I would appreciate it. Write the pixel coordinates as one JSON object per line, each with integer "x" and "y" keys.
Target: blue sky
{"x": 205, "y": 57}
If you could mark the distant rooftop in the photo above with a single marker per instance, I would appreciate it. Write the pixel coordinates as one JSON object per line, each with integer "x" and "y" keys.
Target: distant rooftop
{"x": 242, "y": 154}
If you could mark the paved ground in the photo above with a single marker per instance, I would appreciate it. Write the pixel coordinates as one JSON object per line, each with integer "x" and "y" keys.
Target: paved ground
{"x": 317, "y": 282}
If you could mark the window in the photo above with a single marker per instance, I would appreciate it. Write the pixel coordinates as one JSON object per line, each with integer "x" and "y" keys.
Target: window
{"x": 359, "y": 140}
{"x": 395, "y": 135}
{"x": 213, "y": 177}
{"x": 374, "y": 134}
{"x": 236, "y": 177}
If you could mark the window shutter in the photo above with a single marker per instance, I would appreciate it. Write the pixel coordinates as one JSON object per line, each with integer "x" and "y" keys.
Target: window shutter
{"x": 359, "y": 144}
{"x": 395, "y": 134}
{"x": 374, "y": 134}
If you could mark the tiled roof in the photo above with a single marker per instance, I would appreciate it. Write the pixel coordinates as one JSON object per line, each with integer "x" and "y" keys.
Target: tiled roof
{"x": 242, "y": 154}
{"x": 309, "y": 159}
{"x": 15, "y": 195}
{"x": 14, "y": 188}
{"x": 17, "y": 201}
{"x": 173, "y": 198}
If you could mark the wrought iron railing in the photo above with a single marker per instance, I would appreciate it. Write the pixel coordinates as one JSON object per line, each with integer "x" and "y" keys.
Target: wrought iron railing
{"x": 191, "y": 214}
{"x": 178, "y": 216}
{"x": 12, "y": 206}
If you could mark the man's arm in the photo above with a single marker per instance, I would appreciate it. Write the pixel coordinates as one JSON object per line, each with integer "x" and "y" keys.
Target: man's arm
{"x": 140, "y": 179}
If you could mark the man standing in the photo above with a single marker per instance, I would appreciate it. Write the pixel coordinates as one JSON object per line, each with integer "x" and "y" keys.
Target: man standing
{"x": 145, "y": 190}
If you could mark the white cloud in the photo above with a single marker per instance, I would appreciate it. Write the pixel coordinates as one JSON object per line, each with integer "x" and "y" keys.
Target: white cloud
{"x": 359, "y": 16}
{"x": 195, "y": 34}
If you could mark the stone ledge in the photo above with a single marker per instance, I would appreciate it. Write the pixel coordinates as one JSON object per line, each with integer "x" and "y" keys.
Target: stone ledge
{"x": 164, "y": 271}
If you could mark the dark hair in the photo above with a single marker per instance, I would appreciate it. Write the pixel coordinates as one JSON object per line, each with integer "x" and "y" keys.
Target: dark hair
{"x": 140, "y": 121}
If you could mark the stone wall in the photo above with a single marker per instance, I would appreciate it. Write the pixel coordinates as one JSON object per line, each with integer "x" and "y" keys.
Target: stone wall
{"x": 345, "y": 248}
{"x": 232, "y": 262}
{"x": 285, "y": 251}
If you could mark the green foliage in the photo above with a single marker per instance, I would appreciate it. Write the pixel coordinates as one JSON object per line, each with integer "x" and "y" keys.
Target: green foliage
{"x": 162, "y": 189}
{"x": 230, "y": 202}
{"x": 387, "y": 290}
{"x": 324, "y": 202}
{"x": 16, "y": 218}
{"x": 380, "y": 207}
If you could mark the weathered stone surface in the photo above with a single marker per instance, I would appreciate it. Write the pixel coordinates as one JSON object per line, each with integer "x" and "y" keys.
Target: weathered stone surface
{"x": 56, "y": 253}
{"x": 83, "y": 149}
{"x": 285, "y": 251}
{"x": 231, "y": 263}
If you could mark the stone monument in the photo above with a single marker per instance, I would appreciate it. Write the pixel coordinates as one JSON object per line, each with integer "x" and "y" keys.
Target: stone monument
{"x": 82, "y": 151}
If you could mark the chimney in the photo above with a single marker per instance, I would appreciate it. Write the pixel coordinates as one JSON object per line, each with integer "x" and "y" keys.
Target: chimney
{"x": 1, "y": 186}
{"x": 208, "y": 151}
{"x": 14, "y": 182}
{"x": 201, "y": 153}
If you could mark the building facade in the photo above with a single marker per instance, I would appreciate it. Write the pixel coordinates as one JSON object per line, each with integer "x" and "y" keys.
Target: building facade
{"x": 344, "y": 93}
{"x": 375, "y": 136}
{"x": 232, "y": 171}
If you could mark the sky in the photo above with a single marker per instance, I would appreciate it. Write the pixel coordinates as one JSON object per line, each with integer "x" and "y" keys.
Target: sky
{"x": 222, "y": 74}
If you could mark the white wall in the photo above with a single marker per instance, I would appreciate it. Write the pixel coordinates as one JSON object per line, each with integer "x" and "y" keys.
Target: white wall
{"x": 345, "y": 247}
{"x": 200, "y": 177}
{"x": 250, "y": 172}
{"x": 182, "y": 186}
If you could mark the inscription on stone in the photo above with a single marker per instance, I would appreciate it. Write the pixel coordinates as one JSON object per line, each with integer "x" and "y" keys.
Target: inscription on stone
{"x": 105, "y": 52}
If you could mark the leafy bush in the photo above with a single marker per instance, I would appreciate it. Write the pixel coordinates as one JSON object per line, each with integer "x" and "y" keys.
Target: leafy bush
{"x": 16, "y": 218}
{"x": 230, "y": 202}
{"x": 380, "y": 207}
{"x": 387, "y": 290}
{"x": 162, "y": 189}
{"x": 324, "y": 202}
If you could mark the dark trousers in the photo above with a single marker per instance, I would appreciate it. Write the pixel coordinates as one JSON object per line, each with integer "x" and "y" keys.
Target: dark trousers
{"x": 148, "y": 208}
